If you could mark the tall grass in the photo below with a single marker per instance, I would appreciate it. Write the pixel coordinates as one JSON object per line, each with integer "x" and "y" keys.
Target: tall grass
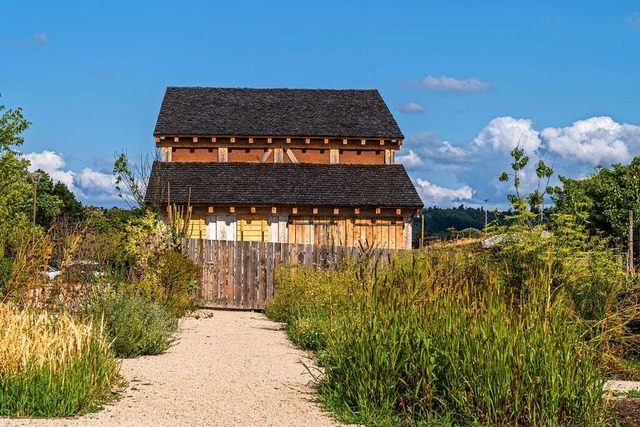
{"x": 439, "y": 339}
{"x": 52, "y": 365}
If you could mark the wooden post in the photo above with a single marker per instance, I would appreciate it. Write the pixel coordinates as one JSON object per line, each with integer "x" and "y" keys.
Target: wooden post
{"x": 630, "y": 266}
{"x": 422, "y": 231}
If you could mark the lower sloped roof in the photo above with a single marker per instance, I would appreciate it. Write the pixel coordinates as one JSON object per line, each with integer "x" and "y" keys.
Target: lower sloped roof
{"x": 282, "y": 184}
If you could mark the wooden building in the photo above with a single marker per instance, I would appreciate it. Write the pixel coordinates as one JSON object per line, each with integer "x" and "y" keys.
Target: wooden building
{"x": 284, "y": 165}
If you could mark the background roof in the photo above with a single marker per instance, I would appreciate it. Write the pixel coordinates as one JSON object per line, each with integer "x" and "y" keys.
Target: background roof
{"x": 282, "y": 184}
{"x": 275, "y": 112}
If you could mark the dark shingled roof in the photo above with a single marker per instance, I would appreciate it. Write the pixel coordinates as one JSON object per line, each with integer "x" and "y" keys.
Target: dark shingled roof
{"x": 300, "y": 184}
{"x": 275, "y": 112}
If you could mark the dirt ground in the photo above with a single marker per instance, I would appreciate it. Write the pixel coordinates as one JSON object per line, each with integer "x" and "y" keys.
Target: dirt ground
{"x": 230, "y": 369}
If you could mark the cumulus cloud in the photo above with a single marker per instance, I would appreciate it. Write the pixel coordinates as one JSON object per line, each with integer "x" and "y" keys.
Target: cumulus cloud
{"x": 411, "y": 160}
{"x": 412, "y": 108}
{"x": 450, "y": 84}
{"x": 595, "y": 141}
{"x": 633, "y": 22}
{"x": 95, "y": 182}
{"x": 53, "y": 164}
{"x": 88, "y": 185}
{"x": 506, "y": 133}
{"x": 475, "y": 166}
{"x": 433, "y": 194}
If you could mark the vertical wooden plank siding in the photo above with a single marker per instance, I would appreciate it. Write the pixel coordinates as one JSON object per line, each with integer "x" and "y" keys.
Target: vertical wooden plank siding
{"x": 242, "y": 274}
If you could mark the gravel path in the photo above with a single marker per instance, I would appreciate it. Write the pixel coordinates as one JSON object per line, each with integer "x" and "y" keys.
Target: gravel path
{"x": 230, "y": 369}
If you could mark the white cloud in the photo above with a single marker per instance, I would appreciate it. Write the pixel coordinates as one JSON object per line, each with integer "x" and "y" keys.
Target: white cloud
{"x": 633, "y": 22}
{"x": 40, "y": 39}
{"x": 450, "y": 84}
{"x": 411, "y": 160}
{"x": 53, "y": 164}
{"x": 506, "y": 133}
{"x": 96, "y": 182}
{"x": 595, "y": 141}
{"x": 412, "y": 108}
{"x": 433, "y": 194}
{"x": 88, "y": 185}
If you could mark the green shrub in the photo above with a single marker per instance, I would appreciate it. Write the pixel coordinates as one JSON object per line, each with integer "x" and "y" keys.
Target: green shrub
{"x": 136, "y": 326}
{"x": 178, "y": 280}
{"x": 52, "y": 365}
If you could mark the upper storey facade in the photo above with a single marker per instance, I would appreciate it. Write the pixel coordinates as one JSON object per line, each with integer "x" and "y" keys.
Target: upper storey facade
{"x": 200, "y": 124}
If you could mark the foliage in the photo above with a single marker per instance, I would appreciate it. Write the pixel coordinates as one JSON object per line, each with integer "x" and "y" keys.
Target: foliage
{"x": 132, "y": 179}
{"x": 135, "y": 326}
{"x": 439, "y": 336}
{"x": 12, "y": 125}
{"x": 439, "y": 220}
{"x": 302, "y": 290}
{"x": 52, "y": 365}
{"x": 308, "y": 329}
{"x": 603, "y": 200}
{"x": 178, "y": 280}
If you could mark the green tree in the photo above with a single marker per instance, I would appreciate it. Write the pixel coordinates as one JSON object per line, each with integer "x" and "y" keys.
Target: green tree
{"x": 603, "y": 200}
{"x": 15, "y": 188}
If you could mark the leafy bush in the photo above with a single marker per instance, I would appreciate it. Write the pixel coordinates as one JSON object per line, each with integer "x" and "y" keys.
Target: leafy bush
{"x": 136, "y": 326}
{"x": 52, "y": 365}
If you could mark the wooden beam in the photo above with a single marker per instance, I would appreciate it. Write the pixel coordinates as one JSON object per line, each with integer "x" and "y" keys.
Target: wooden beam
{"x": 223, "y": 154}
{"x": 291, "y": 156}
{"x": 265, "y": 156}
{"x": 334, "y": 156}
{"x": 278, "y": 155}
{"x": 387, "y": 157}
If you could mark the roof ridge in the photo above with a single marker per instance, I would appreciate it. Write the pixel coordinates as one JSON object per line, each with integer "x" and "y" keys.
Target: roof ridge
{"x": 273, "y": 88}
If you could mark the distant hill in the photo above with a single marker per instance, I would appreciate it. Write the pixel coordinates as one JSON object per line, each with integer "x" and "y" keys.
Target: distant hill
{"x": 439, "y": 220}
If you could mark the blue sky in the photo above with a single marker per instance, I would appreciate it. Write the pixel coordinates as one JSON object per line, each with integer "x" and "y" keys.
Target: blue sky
{"x": 466, "y": 80}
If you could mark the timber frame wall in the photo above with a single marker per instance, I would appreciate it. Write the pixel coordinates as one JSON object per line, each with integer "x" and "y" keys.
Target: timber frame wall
{"x": 380, "y": 227}
{"x": 259, "y": 149}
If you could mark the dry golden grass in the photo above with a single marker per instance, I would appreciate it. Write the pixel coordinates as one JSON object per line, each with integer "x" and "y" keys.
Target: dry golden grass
{"x": 32, "y": 340}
